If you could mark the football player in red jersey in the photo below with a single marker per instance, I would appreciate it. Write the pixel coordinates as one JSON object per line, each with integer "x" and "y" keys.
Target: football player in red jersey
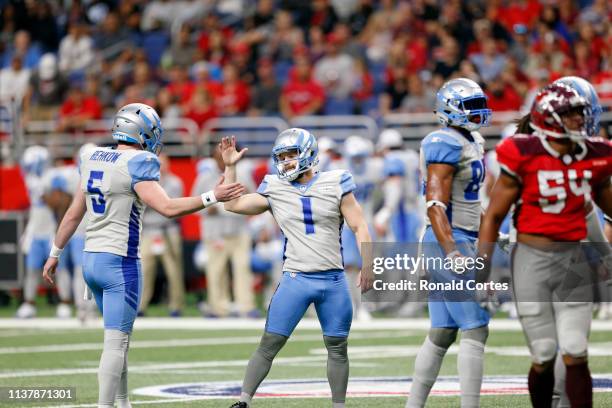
{"x": 549, "y": 176}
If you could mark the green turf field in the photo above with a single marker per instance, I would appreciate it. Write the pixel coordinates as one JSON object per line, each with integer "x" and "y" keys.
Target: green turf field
{"x": 69, "y": 357}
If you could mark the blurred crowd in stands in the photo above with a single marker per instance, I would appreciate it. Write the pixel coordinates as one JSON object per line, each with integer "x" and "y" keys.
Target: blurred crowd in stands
{"x": 71, "y": 61}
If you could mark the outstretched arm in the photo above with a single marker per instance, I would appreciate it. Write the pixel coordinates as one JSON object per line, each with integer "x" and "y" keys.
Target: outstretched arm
{"x": 248, "y": 204}
{"x": 352, "y": 213}
{"x": 69, "y": 224}
{"x": 152, "y": 193}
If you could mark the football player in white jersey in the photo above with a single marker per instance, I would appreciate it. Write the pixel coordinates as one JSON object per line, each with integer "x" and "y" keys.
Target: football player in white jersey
{"x": 367, "y": 174}
{"x": 400, "y": 217}
{"x": 36, "y": 240}
{"x": 116, "y": 184}
{"x": 310, "y": 209}
{"x": 453, "y": 172}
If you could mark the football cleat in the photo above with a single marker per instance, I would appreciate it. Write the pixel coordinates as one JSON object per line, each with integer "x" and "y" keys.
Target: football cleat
{"x": 240, "y": 404}
{"x": 26, "y": 311}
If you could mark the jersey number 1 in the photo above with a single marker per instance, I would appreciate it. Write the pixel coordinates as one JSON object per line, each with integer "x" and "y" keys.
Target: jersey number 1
{"x": 307, "y": 211}
{"x": 97, "y": 203}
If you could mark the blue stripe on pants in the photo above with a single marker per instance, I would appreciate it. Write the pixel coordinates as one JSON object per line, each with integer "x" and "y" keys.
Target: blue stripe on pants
{"x": 116, "y": 282}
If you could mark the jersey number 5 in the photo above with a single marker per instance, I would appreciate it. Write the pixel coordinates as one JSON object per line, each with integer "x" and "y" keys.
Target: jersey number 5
{"x": 97, "y": 203}
{"x": 557, "y": 189}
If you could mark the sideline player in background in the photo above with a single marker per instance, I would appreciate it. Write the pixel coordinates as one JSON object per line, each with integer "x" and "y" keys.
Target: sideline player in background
{"x": 116, "y": 183}
{"x": 551, "y": 174}
{"x": 310, "y": 208}
{"x": 36, "y": 239}
{"x": 453, "y": 172}
{"x": 367, "y": 173}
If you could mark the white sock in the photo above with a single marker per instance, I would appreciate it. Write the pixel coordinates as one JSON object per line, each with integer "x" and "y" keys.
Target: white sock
{"x": 111, "y": 365}
{"x": 122, "y": 397}
{"x": 426, "y": 368}
{"x": 470, "y": 367}
{"x": 30, "y": 285}
{"x": 63, "y": 284}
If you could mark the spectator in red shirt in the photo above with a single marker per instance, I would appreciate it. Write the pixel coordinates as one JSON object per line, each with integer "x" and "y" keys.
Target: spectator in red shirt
{"x": 301, "y": 94}
{"x": 79, "y": 108}
{"x": 502, "y": 96}
{"x": 233, "y": 98}
{"x": 180, "y": 87}
{"x": 200, "y": 108}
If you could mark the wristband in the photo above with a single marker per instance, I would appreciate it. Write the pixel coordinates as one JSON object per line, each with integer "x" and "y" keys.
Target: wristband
{"x": 438, "y": 203}
{"x": 208, "y": 198}
{"x": 55, "y": 251}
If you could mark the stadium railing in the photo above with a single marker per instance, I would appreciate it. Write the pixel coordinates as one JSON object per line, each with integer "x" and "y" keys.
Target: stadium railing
{"x": 183, "y": 138}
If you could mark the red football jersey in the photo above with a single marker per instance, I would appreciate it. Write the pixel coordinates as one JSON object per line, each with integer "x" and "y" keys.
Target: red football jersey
{"x": 554, "y": 187}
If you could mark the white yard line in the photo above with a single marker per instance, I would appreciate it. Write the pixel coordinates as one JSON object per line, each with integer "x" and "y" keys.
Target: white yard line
{"x": 216, "y": 341}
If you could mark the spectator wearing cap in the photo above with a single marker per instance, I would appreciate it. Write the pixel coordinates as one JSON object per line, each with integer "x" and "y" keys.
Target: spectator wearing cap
{"x": 206, "y": 75}
{"x": 79, "y": 108}
{"x": 28, "y": 53}
{"x": 335, "y": 71}
{"x": 234, "y": 96}
{"x": 519, "y": 47}
{"x": 46, "y": 90}
{"x": 14, "y": 82}
{"x": 76, "y": 50}
{"x": 301, "y": 95}
{"x": 267, "y": 92}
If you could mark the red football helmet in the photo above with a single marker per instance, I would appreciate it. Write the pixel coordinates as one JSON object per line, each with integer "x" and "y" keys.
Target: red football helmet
{"x": 550, "y": 104}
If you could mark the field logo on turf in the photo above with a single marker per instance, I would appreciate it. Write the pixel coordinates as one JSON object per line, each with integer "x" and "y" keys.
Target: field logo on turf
{"x": 358, "y": 387}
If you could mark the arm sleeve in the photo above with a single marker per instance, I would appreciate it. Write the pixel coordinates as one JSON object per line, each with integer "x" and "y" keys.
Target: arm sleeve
{"x": 264, "y": 187}
{"x": 509, "y": 158}
{"x": 347, "y": 184}
{"x": 143, "y": 167}
{"x": 441, "y": 148}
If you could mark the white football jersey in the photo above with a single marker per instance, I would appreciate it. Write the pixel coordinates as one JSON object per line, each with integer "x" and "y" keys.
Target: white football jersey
{"x": 114, "y": 210}
{"x": 41, "y": 220}
{"x": 366, "y": 175}
{"x": 309, "y": 217}
{"x": 448, "y": 146}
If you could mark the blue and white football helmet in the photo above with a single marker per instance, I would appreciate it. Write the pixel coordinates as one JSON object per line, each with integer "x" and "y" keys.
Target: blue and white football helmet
{"x": 304, "y": 143}
{"x": 587, "y": 91}
{"x": 35, "y": 160}
{"x": 459, "y": 102}
{"x": 139, "y": 124}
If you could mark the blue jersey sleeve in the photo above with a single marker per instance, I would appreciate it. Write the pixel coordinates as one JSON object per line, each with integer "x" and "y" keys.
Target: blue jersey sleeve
{"x": 263, "y": 187}
{"x": 393, "y": 166}
{"x": 144, "y": 167}
{"x": 347, "y": 184}
{"x": 441, "y": 148}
